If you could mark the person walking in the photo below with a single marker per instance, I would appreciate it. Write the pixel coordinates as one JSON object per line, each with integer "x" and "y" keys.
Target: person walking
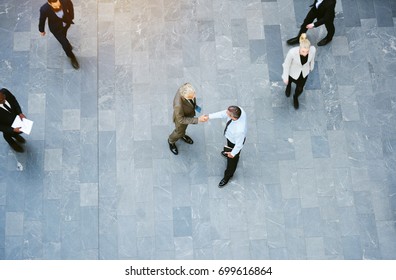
{"x": 9, "y": 110}
{"x": 60, "y": 14}
{"x": 324, "y": 13}
{"x": 298, "y": 63}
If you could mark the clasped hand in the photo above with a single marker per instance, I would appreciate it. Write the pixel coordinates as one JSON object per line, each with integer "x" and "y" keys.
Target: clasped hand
{"x": 203, "y": 118}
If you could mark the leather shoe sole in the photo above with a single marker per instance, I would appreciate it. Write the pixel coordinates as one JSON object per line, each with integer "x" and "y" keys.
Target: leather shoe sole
{"x": 187, "y": 139}
{"x": 223, "y": 182}
{"x": 287, "y": 91}
{"x": 16, "y": 147}
{"x": 323, "y": 42}
{"x": 173, "y": 148}
{"x": 74, "y": 63}
{"x": 295, "y": 103}
{"x": 293, "y": 41}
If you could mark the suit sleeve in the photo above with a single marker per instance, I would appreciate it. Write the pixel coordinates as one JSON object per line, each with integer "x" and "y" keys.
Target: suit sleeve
{"x": 13, "y": 101}
{"x": 43, "y": 17}
{"x": 70, "y": 9}
{"x": 180, "y": 118}
{"x": 328, "y": 16}
{"x": 286, "y": 65}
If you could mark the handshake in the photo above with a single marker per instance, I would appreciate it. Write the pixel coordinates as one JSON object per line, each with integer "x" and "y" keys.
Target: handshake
{"x": 203, "y": 118}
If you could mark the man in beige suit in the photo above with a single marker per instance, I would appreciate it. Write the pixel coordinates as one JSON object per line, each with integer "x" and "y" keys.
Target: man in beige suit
{"x": 184, "y": 105}
{"x": 298, "y": 63}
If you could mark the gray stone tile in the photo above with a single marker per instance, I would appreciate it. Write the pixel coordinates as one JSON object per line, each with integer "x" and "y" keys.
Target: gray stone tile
{"x": 182, "y": 221}
{"x": 351, "y": 17}
{"x": 274, "y": 51}
{"x": 312, "y": 222}
{"x": 351, "y": 247}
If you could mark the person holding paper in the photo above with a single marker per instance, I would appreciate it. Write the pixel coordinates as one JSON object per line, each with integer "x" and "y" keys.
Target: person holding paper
{"x": 9, "y": 110}
{"x": 235, "y": 133}
{"x": 184, "y": 107}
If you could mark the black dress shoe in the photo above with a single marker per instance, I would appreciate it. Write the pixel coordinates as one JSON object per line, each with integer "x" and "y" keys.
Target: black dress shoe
{"x": 15, "y": 146}
{"x": 223, "y": 182}
{"x": 293, "y": 41}
{"x": 20, "y": 139}
{"x": 287, "y": 91}
{"x": 323, "y": 42}
{"x": 173, "y": 148}
{"x": 187, "y": 139}
{"x": 295, "y": 102}
{"x": 74, "y": 62}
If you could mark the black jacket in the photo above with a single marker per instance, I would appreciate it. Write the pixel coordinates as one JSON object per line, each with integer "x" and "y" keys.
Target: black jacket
{"x": 6, "y": 119}
{"x": 325, "y": 12}
{"x": 54, "y": 22}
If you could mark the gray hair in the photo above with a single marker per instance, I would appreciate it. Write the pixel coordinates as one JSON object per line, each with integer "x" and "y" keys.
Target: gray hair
{"x": 186, "y": 89}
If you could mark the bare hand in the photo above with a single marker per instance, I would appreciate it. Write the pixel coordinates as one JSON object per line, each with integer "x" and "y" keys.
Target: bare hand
{"x": 229, "y": 154}
{"x": 203, "y": 118}
{"x": 17, "y": 129}
{"x": 42, "y": 33}
{"x": 22, "y": 116}
{"x": 286, "y": 82}
{"x": 310, "y": 26}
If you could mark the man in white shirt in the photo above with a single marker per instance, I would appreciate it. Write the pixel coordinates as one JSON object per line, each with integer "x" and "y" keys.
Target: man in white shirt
{"x": 235, "y": 133}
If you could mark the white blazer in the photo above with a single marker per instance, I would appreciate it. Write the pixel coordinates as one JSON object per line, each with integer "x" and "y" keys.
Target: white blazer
{"x": 292, "y": 66}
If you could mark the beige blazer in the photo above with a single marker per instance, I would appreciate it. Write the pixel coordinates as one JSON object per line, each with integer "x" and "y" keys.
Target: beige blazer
{"x": 292, "y": 66}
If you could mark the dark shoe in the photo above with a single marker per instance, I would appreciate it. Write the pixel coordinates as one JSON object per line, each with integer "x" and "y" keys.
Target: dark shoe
{"x": 287, "y": 91}
{"x": 295, "y": 102}
{"x": 293, "y": 41}
{"x": 20, "y": 139}
{"x": 223, "y": 182}
{"x": 74, "y": 62}
{"x": 16, "y": 147}
{"x": 187, "y": 139}
{"x": 173, "y": 148}
{"x": 323, "y": 42}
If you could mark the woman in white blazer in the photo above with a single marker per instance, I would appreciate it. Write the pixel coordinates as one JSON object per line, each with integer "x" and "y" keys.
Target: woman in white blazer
{"x": 298, "y": 63}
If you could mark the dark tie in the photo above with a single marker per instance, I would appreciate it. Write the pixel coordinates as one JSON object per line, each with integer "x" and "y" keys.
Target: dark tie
{"x": 7, "y": 107}
{"x": 192, "y": 102}
{"x": 228, "y": 123}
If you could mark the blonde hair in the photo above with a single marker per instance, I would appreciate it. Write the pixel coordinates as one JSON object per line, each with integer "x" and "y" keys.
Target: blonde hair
{"x": 304, "y": 42}
{"x": 186, "y": 89}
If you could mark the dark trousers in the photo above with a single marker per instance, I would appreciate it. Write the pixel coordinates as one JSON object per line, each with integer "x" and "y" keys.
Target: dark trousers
{"x": 8, "y": 137}
{"x": 232, "y": 163}
{"x": 311, "y": 16}
{"x": 300, "y": 83}
{"x": 62, "y": 39}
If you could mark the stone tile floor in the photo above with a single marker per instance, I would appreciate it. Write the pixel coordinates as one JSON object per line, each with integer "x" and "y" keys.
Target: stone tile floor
{"x": 98, "y": 182}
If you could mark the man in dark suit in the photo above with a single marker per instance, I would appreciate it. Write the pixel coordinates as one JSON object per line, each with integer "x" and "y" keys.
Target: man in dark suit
{"x": 184, "y": 105}
{"x": 9, "y": 109}
{"x": 60, "y": 14}
{"x": 324, "y": 13}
